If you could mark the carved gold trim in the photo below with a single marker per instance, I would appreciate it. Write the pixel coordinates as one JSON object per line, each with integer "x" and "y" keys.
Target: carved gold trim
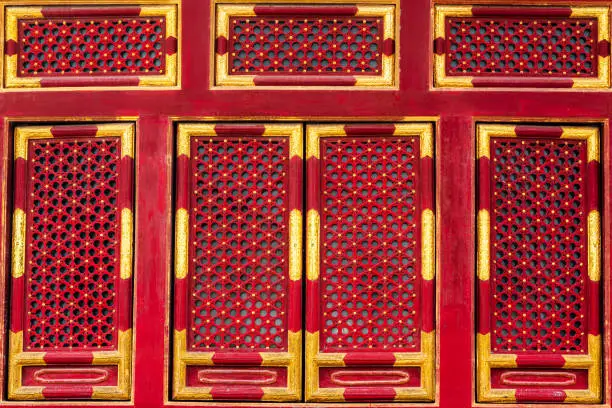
{"x": 295, "y": 245}
{"x": 594, "y": 243}
{"x": 484, "y": 234}
{"x": 428, "y": 242}
{"x": 125, "y": 131}
{"x": 120, "y": 357}
{"x": 127, "y": 241}
{"x": 181, "y": 244}
{"x": 312, "y": 239}
{"x": 19, "y": 243}
{"x": 484, "y": 133}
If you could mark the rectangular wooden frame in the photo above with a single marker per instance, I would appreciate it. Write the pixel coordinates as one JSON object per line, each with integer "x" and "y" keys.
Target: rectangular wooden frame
{"x": 486, "y": 360}
{"x": 442, "y": 80}
{"x": 224, "y": 11}
{"x": 122, "y": 356}
{"x": 425, "y": 358}
{"x": 13, "y": 12}
{"x": 292, "y": 357}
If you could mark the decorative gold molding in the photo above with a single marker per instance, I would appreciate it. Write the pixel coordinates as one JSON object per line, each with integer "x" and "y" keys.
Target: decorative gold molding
{"x": 295, "y": 245}
{"x": 428, "y": 244}
{"x": 312, "y": 240}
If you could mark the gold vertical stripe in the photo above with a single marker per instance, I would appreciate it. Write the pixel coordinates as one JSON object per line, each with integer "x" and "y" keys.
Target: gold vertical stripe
{"x": 312, "y": 370}
{"x": 594, "y": 243}
{"x": 312, "y": 238}
{"x": 295, "y": 245}
{"x": 127, "y": 240}
{"x": 428, "y": 242}
{"x": 484, "y": 250}
{"x": 181, "y": 250}
{"x": 19, "y": 243}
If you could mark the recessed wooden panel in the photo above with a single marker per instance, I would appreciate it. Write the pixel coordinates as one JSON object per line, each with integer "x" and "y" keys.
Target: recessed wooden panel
{"x": 238, "y": 263}
{"x": 72, "y": 263}
{"x": 260, "y": 44}
{"x": 539, "y": 264}
{"x": 370, "y": 263}
{"x": 507, "y": 46}
{"x": 101, "y": 45}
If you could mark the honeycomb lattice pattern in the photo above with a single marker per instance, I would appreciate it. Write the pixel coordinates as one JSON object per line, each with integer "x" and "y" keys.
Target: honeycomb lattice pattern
{"x": 312, "y": 45}
{"x": 91, "y": 46}
{"x": 370, "y": 243}
{"x": 539, "y": 245}
{"x": 522, "y": 47}
{"x": 239, "y": 243}
{"x": 73, "y": 243}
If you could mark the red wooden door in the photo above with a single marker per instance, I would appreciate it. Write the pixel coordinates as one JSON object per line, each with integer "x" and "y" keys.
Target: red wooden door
{"x": 284, "y": 203}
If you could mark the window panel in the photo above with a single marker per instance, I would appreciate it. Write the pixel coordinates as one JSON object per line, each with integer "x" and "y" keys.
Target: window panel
{"x": 238, "y": 263}
{"x": 259, "y": 44}
{"x": 71, "y": 294}
{"x": 66, "y": 46}
{"x": 506, "y": 46}
{"x": 370, "y": 290}
{"x": 539, "y": 264}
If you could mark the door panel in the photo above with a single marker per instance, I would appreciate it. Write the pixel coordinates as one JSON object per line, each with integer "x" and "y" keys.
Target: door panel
{"x": 238, "y": 262}
{"x": 71, "y": 322}
{"x": 539, "y": 251}
{"x": 370, "y": 289}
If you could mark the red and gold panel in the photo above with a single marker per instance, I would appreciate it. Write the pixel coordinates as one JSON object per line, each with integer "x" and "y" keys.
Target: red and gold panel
{"x": 92, "y": 45}
{"x": 370, "y": 263}
{"x": 305, "y": 44}
{"x": 506, "y": 46}
{"x": 237, "y": 288}
{"x": 71, "y": 292}
{"x": 539, "y": 264}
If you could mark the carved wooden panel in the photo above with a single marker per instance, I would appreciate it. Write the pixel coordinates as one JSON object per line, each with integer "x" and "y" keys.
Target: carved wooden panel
{"x": 539, "y": 264}
{"x": 370, "y": 263}
{"x": 506, "y": 46}
{"x": 70, "y": 327}
{"x": 66, "y": 46}
{"x": 260, "y": 44}
{"x": 237, "y": 330}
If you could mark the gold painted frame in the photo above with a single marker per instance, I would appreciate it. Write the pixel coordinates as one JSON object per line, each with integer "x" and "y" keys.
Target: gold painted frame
{"x": 441, "y": 80}
{"x": 485, "y": 360}
{"x": 425, "y": 358}
{"x": 388, "y": 79}
{"x": 122, "y": 356}
{"x": 292, "y": 358}
{"x": 13, "y": 12}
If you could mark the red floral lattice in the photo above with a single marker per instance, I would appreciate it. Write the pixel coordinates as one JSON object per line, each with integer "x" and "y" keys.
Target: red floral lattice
{"x": 239, "y": 243}
{"x": 73, "y": 240}
{"x": 526, "y": 46}
{"x": 539, "y": 255}
{"x": 92, "y": 45}
{"x": 370, "y": 243}
{"x": 310, "y": 45}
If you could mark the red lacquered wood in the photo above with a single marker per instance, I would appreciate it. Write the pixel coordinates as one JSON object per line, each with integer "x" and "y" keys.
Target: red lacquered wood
{"x": 455, "y": 179}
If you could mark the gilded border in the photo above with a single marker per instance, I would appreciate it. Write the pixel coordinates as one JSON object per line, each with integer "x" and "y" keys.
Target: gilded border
{"x": 182, "y": 358}
{"x": 425, "y": 358}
